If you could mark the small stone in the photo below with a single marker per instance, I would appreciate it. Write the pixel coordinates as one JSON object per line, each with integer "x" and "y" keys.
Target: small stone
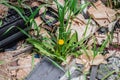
{"x": 113, "y": 77}
{"x": 103, "y": 30}
{"x": 103, "y": 70}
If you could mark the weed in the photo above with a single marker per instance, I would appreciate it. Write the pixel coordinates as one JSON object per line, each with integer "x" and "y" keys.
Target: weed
{"x": 61, "y": 45}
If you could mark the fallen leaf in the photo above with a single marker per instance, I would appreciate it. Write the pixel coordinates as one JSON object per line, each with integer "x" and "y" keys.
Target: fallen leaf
{"x": 118, "y": 11}
{"x": 38, "y": 21}
{"x": 87, "y": 59}
{"x": 102, "y": 14}
{"x": 21, "y": 74}
{"x": 80, "y": 29}
{"x": 68, "y": 60}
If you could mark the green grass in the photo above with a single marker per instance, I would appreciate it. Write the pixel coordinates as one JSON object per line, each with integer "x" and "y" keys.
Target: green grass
{"x": 1, "y": 22}
{"x": 49, "y": 46}
{"x": 52, "y": 48}
{"x": 1, "y": 62}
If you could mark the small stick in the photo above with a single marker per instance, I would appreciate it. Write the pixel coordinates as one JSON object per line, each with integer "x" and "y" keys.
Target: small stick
{"x": 20, "y": 51}
{"x": 19, "y": 67}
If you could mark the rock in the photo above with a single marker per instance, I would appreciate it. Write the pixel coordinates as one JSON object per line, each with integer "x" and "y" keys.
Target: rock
{"x": 103, "y": 70}
{"x": 112, "y": 65}
{"x": 117, "y": 25}
{"x": 81, "y": 77}
{"x": 111, "y": 26}
{"x": 75, "y": 70}
{"x": 103, "y": 30}
{"x": 114, "y": 62}
{"x": 113, "y": 77}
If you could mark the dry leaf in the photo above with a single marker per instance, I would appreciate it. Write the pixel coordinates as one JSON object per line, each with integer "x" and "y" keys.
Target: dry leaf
{"x": 42, "y": 10}
{"x": 98, "y": 60}
{"x": 88, "y": 59}
{"x": 38, "y": 21}
{"x": 102, "y": 15}
{"x": 80, "y": 19}
{"x": 118, "y": 11}
{"x": 80, "y": 29}
{"x": 21, "y": 74}
{"x": 68, "y": 60}
{"x": 35, "y": 4}
{"x": 3, "y": 10}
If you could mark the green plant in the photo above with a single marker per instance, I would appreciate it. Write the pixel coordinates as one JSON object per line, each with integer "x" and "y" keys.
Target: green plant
{"x": 28, "y": 20}
{"x": 1, "y": 22}
{"x": 1, "y": 62}
{"x": 51, "y": 46}
{"x": 59, "y": 46}
{"x": 63, "y": 43}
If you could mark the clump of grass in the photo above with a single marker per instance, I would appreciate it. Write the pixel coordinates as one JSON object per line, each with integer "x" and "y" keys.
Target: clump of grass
{"x": 60, "y": 46}
{"x": 63, "y": 43}
{"x": 52, "y": 47}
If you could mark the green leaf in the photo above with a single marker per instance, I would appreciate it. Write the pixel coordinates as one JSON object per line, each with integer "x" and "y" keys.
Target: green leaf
{"x": 1, "y": 62}
{"x": 86, "y": 27}
{"x": 48, "y": 45}
{"x": 33, "y": 61}
{"x": 1, "y": 23}
{"x": 56, "y": 64}
{"x": 24, "y": 31}
{"x": 8, "y": 30}
{"x": 104, "y": 44}
{"x": 81, "y": 8}
{"x": 37, "y": 44}
{"x": 16, "y": 9}
{"x": 74, "y": 38}
{"x": 36, "y": 11}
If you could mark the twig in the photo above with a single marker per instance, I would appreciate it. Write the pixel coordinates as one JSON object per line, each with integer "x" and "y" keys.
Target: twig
{"x": 19, "y": 67}
{"x": 20, "y": 51}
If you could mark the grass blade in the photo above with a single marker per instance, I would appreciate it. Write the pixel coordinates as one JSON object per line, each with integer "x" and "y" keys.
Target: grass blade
{"x": 56, "y": 64}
